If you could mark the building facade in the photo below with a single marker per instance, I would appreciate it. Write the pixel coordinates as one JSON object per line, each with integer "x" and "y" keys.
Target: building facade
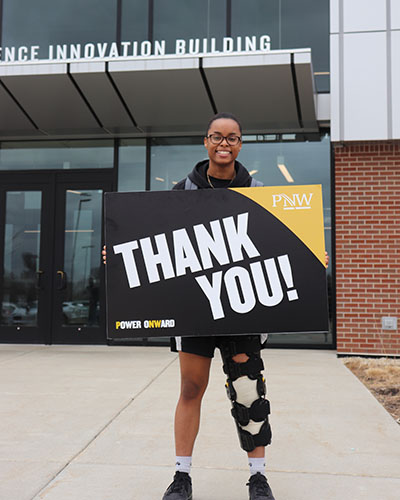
{"x": 365, "y": 128}
{"x": 115, "y": 95}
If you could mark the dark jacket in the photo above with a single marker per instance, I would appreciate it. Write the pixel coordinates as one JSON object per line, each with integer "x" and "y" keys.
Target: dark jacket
{"x": 199, "y": 176}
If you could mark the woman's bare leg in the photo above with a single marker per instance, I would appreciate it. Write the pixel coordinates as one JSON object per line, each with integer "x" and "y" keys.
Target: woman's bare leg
{"x": 194, "y": 379}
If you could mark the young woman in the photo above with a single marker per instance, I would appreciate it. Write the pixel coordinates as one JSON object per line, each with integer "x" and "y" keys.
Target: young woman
{"x": 240, "y": 354}
{"x": 242, "y": 362}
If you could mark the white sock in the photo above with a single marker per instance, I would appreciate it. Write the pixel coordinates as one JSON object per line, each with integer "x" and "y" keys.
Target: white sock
{"x": 183, "y": 464}
{"x": 257, "y": 465}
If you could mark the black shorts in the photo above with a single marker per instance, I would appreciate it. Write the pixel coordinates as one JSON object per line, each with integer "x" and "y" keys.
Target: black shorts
{"x": 205, "y": 346}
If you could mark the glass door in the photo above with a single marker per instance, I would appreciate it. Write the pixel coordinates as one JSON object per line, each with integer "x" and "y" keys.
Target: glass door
{"x": 78, "y": 313}
{"x": 51, "y": 276}
{"x": 24, "y": 257}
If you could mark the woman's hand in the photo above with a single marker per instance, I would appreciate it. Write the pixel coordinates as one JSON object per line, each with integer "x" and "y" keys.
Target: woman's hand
{"x": 326, "y": 259}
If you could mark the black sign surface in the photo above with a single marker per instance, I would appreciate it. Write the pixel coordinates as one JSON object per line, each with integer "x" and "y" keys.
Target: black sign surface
{"x": 215, "y": 262}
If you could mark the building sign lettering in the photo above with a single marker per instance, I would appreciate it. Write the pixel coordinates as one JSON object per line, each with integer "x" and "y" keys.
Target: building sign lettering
{"x": 157, "y": 48}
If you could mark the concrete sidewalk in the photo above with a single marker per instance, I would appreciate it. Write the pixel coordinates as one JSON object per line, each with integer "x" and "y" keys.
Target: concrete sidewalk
{"x": 95, "y": 423}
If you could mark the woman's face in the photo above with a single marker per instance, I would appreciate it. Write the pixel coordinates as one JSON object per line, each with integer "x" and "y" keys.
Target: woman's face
{"x": 223, "y": 154}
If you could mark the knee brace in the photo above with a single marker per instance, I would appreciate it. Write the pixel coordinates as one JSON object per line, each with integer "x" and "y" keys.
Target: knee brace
{"x": 246, "y": 389}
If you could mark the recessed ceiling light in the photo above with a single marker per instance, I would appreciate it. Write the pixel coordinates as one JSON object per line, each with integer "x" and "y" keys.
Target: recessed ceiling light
{"x": 285, "y": 172}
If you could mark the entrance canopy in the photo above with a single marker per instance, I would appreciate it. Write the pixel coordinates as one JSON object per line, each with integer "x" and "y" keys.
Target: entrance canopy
{"x": 269, "y": 91}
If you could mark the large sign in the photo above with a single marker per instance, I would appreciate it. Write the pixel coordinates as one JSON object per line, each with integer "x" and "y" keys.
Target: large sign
{"x": 129, "y": 49}
{"x": 214, "y": 262}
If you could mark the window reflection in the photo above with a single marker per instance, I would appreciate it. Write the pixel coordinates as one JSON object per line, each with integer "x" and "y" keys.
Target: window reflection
{"x": 172, "y": 160}
{"x": 132, "y": 165}
{"x": 291, "y": 24}
{"x": 56, "y": 155}
{"x": 289, "y": 161}
{"x": 257, "y": 17}
{"x": 186, "y": 19}
{"x": 134, "y": 23}
{"x": 19, "y": 299}
{"x": 305, "y": 23}
{"x": 82, "y": 257}
{"x": 45, "y": 22}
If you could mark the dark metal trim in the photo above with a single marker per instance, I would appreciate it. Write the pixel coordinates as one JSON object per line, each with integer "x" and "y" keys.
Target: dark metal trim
{"x": 164, "y": 342}
{"x": 52, "y": 221}
{"x": 116, "y": 89}
{"x": 148, "y": 164}
{"x": 74, "y": 83}
{"x": 206, "y": 85}
{"x": 1, "y": 23}
{"x": 2, "y": 238}
{"x": 116, "y": 164}
{"x": 150, "y": 26}
{"x": 228, "y": 17}
{"x": 296, "y": 91}
{"x": 40, "y": 176}
{"x": 327, "y": 347}
{"x": 19, "y": 105}
{"x": 142, "y": 341}
{"x": 51, "y": 139}
{"x": 119, "y": 23}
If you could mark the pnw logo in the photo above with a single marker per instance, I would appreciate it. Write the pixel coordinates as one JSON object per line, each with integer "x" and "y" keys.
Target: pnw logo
{"x": 294, "y": 202}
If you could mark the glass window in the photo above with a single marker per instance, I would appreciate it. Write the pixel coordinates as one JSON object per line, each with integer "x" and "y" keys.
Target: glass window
{"x": 132, "y": 165}
{"x": 305, "y": 23}
{"x": 291, "y": 24}
{"x": 188, "y": 19}
{"x": 83, "y": 223}
{"x": 45, "y": 155}
{"x": 19, "y": 297}
{"x": 257, "y": 17}
{"x": 293, "y": 162}
{"x": 46, "y": 22}
{"x": 173, "y": 159}
{"x": 134, "y": 22}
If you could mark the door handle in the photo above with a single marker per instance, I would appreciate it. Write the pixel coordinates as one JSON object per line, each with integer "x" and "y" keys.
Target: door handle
{"x": 62, "y": 280}
{"x": 39, "y": 279}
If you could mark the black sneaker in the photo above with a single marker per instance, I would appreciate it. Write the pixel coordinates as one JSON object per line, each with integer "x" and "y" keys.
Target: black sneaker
{"x": 259, "y": 488}
{"x": 180, "y": 488}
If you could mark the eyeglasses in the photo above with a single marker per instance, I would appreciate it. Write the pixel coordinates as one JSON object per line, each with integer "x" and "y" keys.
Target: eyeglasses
{"x": 232, "y": 140}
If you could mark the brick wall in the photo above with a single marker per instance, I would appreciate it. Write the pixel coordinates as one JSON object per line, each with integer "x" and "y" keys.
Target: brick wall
{"x": 367, "y": 246}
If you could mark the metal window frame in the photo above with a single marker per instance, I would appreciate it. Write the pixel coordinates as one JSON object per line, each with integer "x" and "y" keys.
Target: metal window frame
{"x": 228, "y": 17}
{"x": 119, "y": 23}
{"x": 1, "y": 23}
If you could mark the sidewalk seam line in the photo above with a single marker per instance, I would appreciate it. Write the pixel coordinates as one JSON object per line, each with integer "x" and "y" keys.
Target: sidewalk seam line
{"x": 35, "y": 349}
{"x": 244, "y": 470}
{"x": 42, "y": 489}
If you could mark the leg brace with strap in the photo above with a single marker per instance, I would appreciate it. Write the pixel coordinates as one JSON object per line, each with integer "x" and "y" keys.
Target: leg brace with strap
{"x": 246, "y": 389}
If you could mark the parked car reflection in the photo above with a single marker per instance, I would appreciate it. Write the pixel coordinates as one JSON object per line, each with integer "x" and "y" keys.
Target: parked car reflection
{"x": 75, "y": 312}
{"x": 81, "y": 312}
{"x": 13, "y": 314}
